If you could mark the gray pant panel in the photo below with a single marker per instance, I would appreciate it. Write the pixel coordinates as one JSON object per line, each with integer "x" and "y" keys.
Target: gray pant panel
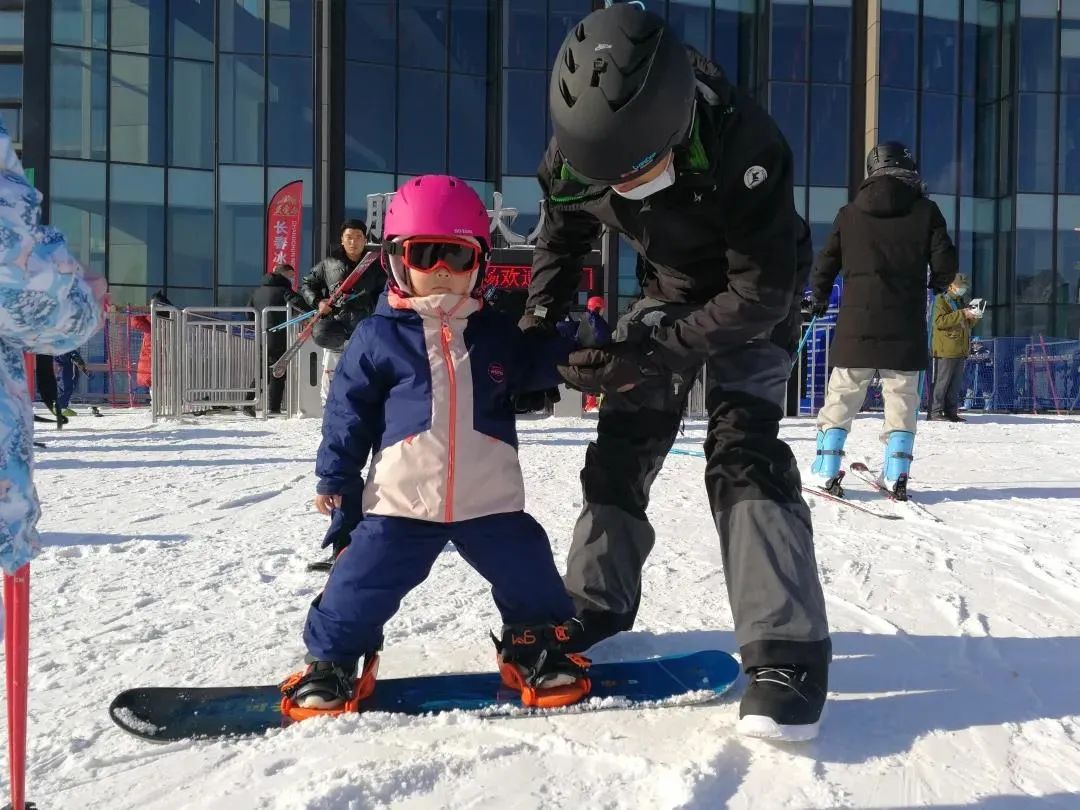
{"x": 948, "y": 380}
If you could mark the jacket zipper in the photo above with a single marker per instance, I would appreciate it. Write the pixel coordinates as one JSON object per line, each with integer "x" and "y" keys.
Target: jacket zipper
{"x": 446, "y": 335}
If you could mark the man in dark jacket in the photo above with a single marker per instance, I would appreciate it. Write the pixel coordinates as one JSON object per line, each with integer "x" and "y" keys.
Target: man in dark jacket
{"x": 654, "y": 142}
{"x": 333, "y": 332}
{"x": 276, "y": 291}
{"x": 883, "y": 241}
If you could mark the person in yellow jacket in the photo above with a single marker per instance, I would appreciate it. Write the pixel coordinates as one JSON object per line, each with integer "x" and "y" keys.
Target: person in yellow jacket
{"x": 950, "y": 346}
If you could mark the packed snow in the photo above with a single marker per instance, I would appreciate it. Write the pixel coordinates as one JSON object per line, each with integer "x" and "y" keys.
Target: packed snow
{"x": 176, "y": 555}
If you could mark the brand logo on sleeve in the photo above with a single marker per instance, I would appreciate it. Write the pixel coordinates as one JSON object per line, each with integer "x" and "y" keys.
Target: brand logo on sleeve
{"x": 497, "y": 372}
{"x": 755, "y": 176}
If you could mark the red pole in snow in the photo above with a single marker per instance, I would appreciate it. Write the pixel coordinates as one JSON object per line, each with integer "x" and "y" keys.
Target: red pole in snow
{"x": 17, "y": 658}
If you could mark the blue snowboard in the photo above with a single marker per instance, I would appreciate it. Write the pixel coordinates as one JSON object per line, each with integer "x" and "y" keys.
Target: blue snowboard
{"x": 163, "y": 714}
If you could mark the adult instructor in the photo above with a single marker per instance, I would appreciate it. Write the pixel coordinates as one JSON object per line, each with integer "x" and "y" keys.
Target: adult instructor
{"x": 653, "y": 141}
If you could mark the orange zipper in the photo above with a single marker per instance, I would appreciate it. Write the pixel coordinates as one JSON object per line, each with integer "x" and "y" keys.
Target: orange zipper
{"x": 446, "y": 334}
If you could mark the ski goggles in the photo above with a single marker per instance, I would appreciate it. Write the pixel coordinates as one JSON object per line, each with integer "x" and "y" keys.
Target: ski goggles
{"x": 427, "y": 254}
{"x": 643, "y": 166}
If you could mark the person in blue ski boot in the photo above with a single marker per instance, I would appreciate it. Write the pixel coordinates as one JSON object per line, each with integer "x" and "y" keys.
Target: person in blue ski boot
{"x": 425, "y": 392}
{"x": 882, "y": 242}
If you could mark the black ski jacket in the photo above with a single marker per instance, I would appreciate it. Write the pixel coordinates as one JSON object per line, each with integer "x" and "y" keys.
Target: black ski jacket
{"x": 722, "y": 237}
{"x": 276, "y": 291}
{"x": 327, "y": 275}
{"x": 884, "y": 241}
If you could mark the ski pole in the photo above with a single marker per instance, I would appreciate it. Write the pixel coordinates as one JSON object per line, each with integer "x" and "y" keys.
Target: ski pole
{"x": 802, "y": 342}
{"x": 17, "y": 657}
{"x": 303, "y": 316}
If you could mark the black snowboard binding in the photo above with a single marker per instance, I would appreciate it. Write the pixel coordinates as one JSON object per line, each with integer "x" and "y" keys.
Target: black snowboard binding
{"x": 899, "y": 489}
{"x": 832, "y": 486}
{"x": 532, "y": 663}
{"x": 328, "y": 687}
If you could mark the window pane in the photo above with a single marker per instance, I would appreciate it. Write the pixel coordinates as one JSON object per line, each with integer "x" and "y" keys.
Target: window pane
{"x": 371, "y": 30}
{"x": 11, "y": 80}
{"x": 1034, "y": 263}
{"x": 1070, "y": 48}
{"x": 1031, "y": 321}
{"x": 422, "y": 147}
{"x": 191, "y": 31}
{"x": 290, "y": 26}
{"x": 937, "y": 154}
{"x": 190, "y": 213}
{"x": 728, "y": 19}
{"x": 523, "y": 45}
{"x": 1069, "y": 249}
{"x": 78, "y": 94}
{"x": 11, "y": 27}
{"x": 240, "y": 109}
{"x": 896, "y": 116}
{"x": 1035, "y": 142}
{"x": 522, "y": 193}
{"x": 987, "y": 54}
{"x": 899, "y": 32}
{"x": 370, "y": 104}
{"x": 946, "y": 203}
{"x": 969, "y": 47}
{"x": 77, "y": 209}
{"x": 468, "y": 127}
{"x": 940, "y": 46}
{"x": 290, "y": 116}
{"x": 986, "y": 151}
{"x": 185, "y": 297}
{"x": 689, "y": 19}
{"x": 787, "y": 103}
{"x": 137, "y": 109}
{"x": 829, "y": 130}
{"x": 80, "y": 22}
{"x": 191, "y": 98}
{"x": 469, "y": 36}
{"x": 242, "y": 24}
{"x": 1070, "y": 145}
{"x": 1038, "y": 42}
{"x": 12, "y": 118}
{"x": 241, "y": 211}
{"x": 824, "y": 205}
{"x": 136, "y": 225}
{"x": 138, "y": 26}
{"x": 278, "y": 177}
{"x": 422, "y": 33}
{"x": 358, "y": 185}
{"x": 524, "y": 113}
{"x": 977, "y": 218}
{"x": 967, "y": 145}
{"x": 787, "y": 40}
{"x": 831, "y": 42}
{"x": 1067, "y": 324}
{"x": 562, "y": 16}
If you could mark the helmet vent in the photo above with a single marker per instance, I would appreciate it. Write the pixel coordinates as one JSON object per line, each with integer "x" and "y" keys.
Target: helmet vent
{"x": 571, "y": 65}
{"x": 564, "y": 91}
{"x": 579, "y": 32}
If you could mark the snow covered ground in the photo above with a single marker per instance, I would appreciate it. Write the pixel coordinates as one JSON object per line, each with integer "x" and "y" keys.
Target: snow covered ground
{"x": 176, "y": 555}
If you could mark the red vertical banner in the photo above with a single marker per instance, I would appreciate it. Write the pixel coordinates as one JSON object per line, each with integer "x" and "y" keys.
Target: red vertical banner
{"x": 283, "y": 219}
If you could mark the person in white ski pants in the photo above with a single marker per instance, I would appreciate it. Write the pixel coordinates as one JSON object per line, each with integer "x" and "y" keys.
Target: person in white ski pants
{"x": 847, "y": 391}
{"x": 330, "y": 359}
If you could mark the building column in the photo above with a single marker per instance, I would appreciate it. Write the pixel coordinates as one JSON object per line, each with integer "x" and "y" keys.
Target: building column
{"x": 873, "y": 38}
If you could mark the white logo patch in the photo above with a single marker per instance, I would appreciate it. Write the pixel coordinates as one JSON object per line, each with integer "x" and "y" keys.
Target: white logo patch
{"x": 755, "y": 176}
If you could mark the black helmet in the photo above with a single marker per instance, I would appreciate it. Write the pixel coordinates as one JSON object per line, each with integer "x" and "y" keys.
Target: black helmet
{"x": 891, "y": 154}
{"x": 621, "y": 94}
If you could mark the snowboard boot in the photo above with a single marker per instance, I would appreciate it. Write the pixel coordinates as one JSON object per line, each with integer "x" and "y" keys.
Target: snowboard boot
{"x": 328, "y": 687}
{"x": 532, "y": 664}
{"x": 784, "y": 702}
{"x": 898, "y": 458}
{"x": 826, "y": 467}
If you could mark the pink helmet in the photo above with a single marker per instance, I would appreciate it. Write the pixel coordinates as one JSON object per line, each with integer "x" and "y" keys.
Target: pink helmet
{"x": 595, "y": 304}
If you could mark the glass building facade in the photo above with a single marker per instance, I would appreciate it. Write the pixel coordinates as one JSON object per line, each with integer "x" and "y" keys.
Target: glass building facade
{"x": 161, "y": 128}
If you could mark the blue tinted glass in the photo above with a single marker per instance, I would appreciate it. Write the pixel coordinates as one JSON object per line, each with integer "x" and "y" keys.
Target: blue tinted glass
{"x": 899, "y": 27}
{"x": 788, "y": 40}
{"x": 829, "y": 128}
{"x": 1034, "y": 259}
{"x": 468, "y": 126}
{"x": 290, "y": 26}
{"x": 242, "y": 25}
{"x": 1070, "y": 48}
{"x": 421, "y": 131}
{"x": 1069, "y": 253}
{"x": 422, "y": 33}
{"x": 191, "y": 29}
{"x": 12, "y": 118}
{"x": 11, "y": 27}
{"x": 77, "y": 209}
{"x": 370, "y": 115}
{"x": 190, "y": 220}
{"x": 136, "y": 225}
{"x": 937, "y": 152}
{"x": 787, "y": 103}
{"x": 831, "y": 42}
{"x": 727, "y": 17}
{"x": 896, "y": 116}
{"x": 290, "y": 118}
{"x": 967, "y": 146}
{"x": 11, "y": 81}
{"x": 940, "y": 45}
{"x": 191, "y": 126}
{"x": 523, "y": 126}
{"x": 80, "y": 22}
{"x": 690, "y": 21}
{"x": 524, "y": 194}
{"x": 241, "y": 100}
{"x": 358, "y": 185}
{"x": 970, "y": 48}
{"x": 1069, "y": 148}
{"x": 469, "y": 36}
{"x": 241, "y": 214}
{"x": 371, "y": 30}
{"x": 1038, "y": 41}
{"x": 523, "y": 40}
{"x": 562, "y": 16}
{"x": 138, "y": 26}
{"x": 137, "y": 109}
{"x": 986, "y": 151}
{"x": 78, "y": 98}
{"x": 1036, "y": 126}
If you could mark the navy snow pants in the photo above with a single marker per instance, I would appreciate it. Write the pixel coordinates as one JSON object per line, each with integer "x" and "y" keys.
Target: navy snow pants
{"x": 389, "y": 556}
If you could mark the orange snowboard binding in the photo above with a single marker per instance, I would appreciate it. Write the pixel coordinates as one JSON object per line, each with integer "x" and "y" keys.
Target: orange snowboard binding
{"x": 363, "y": 687}
{"x": 531, "y": 663}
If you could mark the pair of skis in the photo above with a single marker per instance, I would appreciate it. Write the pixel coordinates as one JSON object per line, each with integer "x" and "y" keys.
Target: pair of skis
{"x": 336, "y": 297}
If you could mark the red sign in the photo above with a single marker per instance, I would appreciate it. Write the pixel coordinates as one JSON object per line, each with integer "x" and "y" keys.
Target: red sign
{"x": 283, "y": 218}
{"x": 518, "y": 276}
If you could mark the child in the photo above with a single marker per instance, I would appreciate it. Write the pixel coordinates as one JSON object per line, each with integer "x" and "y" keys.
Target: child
{"x": 425, "y": 387}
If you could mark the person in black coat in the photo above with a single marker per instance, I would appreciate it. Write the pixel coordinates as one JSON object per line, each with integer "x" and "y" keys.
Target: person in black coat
{"x": 276, "y": 291}
{"x": 883, "y": 241}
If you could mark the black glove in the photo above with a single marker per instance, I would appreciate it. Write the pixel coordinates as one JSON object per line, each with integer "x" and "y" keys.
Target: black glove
{"x": 819, "y": 308}
{"x": 615, "y": 367}
{"x": 531, "y": 321}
